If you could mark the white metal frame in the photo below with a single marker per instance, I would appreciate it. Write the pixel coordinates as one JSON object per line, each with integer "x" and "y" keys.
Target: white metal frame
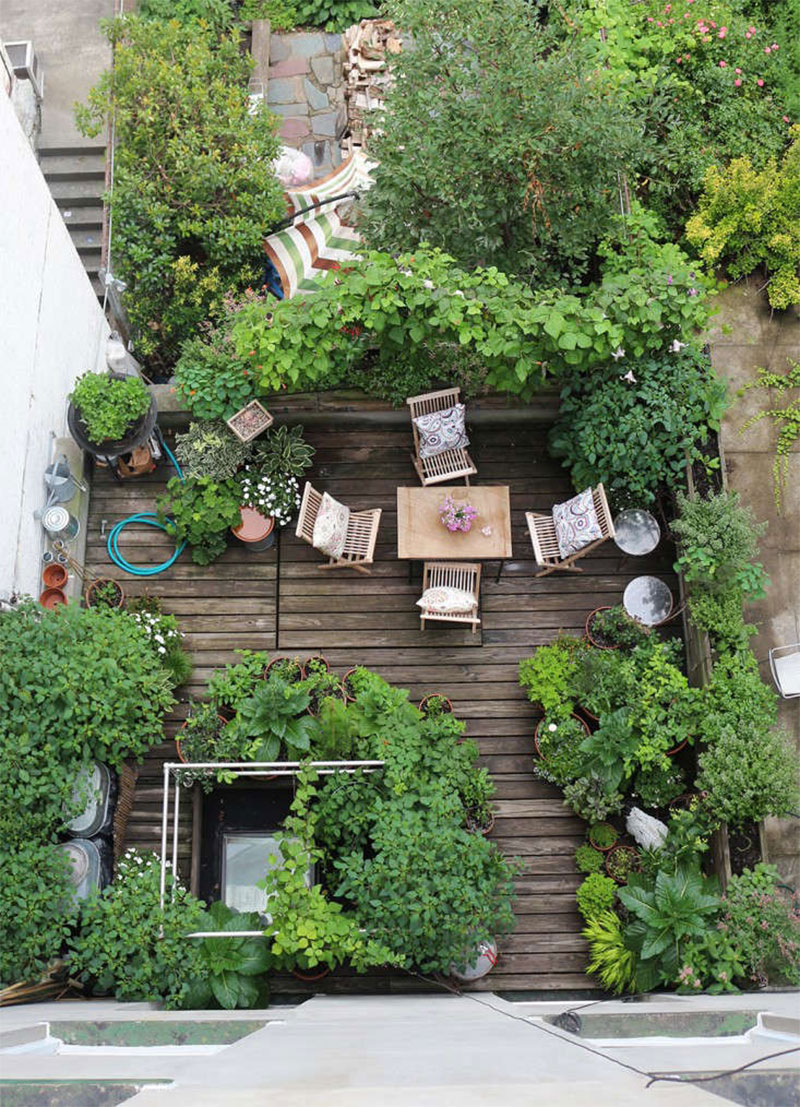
{"x": 239, "y": 769}
{"x": 777, "y": 652}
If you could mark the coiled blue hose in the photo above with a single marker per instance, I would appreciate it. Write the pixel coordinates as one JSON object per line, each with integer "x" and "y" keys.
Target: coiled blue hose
{"x": 148, "y": 519}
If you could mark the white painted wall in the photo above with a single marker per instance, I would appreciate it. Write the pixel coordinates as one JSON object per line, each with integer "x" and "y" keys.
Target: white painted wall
{"x": 51, "y": 331}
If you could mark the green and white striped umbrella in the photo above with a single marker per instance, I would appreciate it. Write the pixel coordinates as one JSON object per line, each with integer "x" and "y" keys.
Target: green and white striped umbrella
{"x": 318, "y": 239}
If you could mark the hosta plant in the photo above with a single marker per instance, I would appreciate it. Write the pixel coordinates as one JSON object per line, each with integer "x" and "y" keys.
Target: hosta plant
{"x": 234, "y": 968}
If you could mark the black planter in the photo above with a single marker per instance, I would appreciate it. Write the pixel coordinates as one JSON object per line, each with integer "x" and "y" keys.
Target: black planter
{"x": 136, "y": 436}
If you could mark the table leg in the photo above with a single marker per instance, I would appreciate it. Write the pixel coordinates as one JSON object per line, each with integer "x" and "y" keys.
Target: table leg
{"x": 500, "y": 566}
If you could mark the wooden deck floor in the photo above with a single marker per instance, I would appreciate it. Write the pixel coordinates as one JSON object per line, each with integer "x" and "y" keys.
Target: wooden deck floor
{"x": 282, "y": 602}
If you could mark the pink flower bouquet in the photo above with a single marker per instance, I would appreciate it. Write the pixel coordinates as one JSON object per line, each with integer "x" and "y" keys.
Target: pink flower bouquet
{"x": 456, "y": 515}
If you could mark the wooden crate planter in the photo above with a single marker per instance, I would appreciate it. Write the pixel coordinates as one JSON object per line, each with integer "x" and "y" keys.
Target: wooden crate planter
{"x": 250, "y": 421}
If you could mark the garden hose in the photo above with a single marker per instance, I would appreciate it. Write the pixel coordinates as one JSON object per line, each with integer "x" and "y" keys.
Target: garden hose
{"x": 148, "y": 519}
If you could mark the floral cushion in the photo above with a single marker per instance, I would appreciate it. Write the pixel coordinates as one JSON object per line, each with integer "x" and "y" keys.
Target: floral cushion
{"x": 441, "y": 430}
{"x": 576, "y": 523}
{"x": 330, "y": 527}
{"x": 447, "y": 601}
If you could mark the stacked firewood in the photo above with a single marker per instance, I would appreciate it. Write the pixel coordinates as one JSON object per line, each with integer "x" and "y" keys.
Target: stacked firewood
{"x": 370, "y": 45}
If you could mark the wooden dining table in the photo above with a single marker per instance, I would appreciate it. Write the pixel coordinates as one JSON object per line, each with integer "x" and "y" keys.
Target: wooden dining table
{"x": 421, "y": 535}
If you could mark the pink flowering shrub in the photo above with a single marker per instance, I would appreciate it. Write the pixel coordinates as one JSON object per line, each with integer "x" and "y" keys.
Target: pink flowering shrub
{"x": 761, "y": 919}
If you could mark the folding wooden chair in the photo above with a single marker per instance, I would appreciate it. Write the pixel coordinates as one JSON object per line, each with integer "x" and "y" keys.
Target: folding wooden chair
{"x": 465, "y": 575}
{"x": 545, "y": 543}
{"x": 450, "y": 464}
{"x": 362, "y": 533}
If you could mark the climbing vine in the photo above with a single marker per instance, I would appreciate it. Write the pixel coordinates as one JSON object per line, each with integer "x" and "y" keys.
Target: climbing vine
{"x": 423, "y": 299}
{"x": 785, "y": 419}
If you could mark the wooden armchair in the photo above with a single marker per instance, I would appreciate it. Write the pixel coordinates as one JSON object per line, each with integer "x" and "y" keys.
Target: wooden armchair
{"x": 450, "y": 464}
{"x": 362, "y": 533}
{"x": 465, "y": 575}
{"x": 545, "y": 544}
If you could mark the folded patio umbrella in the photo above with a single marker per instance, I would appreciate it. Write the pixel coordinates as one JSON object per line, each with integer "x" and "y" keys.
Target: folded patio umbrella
{"x": 315, "y": 238}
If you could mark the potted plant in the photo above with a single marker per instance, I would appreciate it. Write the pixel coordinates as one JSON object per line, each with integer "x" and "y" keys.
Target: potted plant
{"x": 232, "y": 685}
{"x": 588, "y": 859}
{"x": 198, "y": 738}
{"x": 558, "y": 739}
{"x": 602, "y": 836}
{"x": 315, "y": 664}
{"x": 320, "y": 684}
{"x": 274, "y": 496}
{"x": 272, "y": 723}
{"x": 457, "y": 515}
{"x": 548, "y": 675}
{"x": 353, "y": 682}
{"x": 283, "y": 452}
{"x": 604, "y": 680}
{"x": 621, "y": 861}
{"x": 54, "y": 575}
{"x": 289, "y": 668}
{"x": 611, "y": 628}
{"x": 476, "y": 792}
{"x": 435, "y": 704}
{"x": 51, "y": 598}
{"x": 201, "y": 512}
{"x": 109, "y": 413}
{"x": 209, "y": 449}
{"x": 105, "y": 592}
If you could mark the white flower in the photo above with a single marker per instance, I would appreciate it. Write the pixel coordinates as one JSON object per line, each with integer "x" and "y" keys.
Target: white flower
{"x": 676, "y": 347}
{"x": 628, "y": 377}
{"x": 552, "y": 727}
{"x": 618, "y": 353}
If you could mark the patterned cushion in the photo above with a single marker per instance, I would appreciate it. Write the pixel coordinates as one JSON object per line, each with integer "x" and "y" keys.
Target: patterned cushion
{"x": 330, "y": 527}
{"x": 576, "y": 523}
{"x": 441, "y": 430}
{"x": 446, "y": 601}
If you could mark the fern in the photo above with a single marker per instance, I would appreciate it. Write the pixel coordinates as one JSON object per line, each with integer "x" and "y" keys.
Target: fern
{"x": 611, "y": 960}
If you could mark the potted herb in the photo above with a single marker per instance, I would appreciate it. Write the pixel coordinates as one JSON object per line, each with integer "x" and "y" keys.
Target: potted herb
{"x": 105, "y": 592}
{"x": 588, "y": 859}
{"x": 108, "y": 413}
{"x": 435, "y": 704}
{"x": 320, "y": 684}
{"x": 558, "y": 740}
{"x": 611, "y": 628}
{"x": 315, "y": 664}
{"x": 548, "y": 675}
{"x": 353, "y": 682}
{"x": 289, "y": 668}
{"x": 476, "y": 791}
{"x": 621, "y": 861}
{"x": 234, "y": 684}
{"x": 602, "y": 836}
{"x": 198, "y": 738}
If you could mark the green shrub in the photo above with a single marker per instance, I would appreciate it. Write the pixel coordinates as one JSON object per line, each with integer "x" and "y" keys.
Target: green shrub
{"x": 748, "y": 217}
{"x": 634, "y": 436}
{"x": 210, "y": 377}
{"x": 36, "y": 911}
{"x": 589, "y": 798}
{"x": 128, "y": 944}
{"x": 609, "y": 956}
{"x": 282, "y": 14}
{"x": 194, "y": 189}
{"x": 333, "y": 15}
{"x": 657, "y": 785}
{"x": 596, "y": 895}
{"x": 217, "y": 13}
{"x": 749, "y": 774}
{"x": 721, "y": 616}
{"x": 109, "y": 406}
{"x": 718, "y": 541}
{"x": 762, "y": 921}
{"x": 201, "y": 512}
{"x": 736, "y": 698}
{"x": 230, "y": 686}
{"x": 163, "y": 636}
{"x": 588, "y": 859}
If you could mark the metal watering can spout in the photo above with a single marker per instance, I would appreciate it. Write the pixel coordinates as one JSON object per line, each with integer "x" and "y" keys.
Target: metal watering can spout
{"x": 60, "y": 482}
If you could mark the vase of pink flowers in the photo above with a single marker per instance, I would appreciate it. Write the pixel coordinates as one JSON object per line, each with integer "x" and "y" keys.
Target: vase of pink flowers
{"x": 457, "y": 514}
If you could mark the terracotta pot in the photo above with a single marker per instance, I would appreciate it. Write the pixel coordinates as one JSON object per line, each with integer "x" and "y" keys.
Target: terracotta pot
{"x": 256, "y": 531}
{"x": 590, "y": 715}
{"x": 589, "y": 618}
{"x": 347, "y": 697}
{"x": 583, "y": 723}
{"x": 439, "y": 695}
{"x": 485, "y": 830}
{"x": 92, "y": 588}
{"x": 316, "y": 657}
{"x": 603, "y": 849}
{"x": 181, "y": 758}
{"x": 52, "y": 598}
{"x": 309, "y": 977}
{"x": 277, "y": 660}
{"x": 54, "y": 575}
{"x": 622, "y": 849}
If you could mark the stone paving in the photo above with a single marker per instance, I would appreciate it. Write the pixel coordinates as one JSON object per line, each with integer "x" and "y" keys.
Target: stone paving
{"x": 745, "y": 335}
{"x": 306, "y": 88}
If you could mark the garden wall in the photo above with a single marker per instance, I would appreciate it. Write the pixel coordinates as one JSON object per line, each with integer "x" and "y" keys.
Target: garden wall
{"x": 51, "y": 330}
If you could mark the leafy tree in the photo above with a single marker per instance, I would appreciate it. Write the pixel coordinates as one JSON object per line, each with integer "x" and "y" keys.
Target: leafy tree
{"x": 494, "y": 146}
{"x": 194, "y": 190}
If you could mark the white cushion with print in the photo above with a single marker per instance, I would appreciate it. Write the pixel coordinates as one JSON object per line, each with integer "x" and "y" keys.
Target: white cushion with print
{"x": 576, "y": 523}
{"x": 330, "y": 527}
{"x": 441, "y": 430}
{"x": 447, "y": 601}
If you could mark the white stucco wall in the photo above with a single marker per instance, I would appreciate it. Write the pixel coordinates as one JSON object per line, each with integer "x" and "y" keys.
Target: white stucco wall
{"x": 51, "y": 331}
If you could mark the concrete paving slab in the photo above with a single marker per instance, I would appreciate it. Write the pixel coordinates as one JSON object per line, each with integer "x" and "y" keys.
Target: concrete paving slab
{"x": 73, "y": 54}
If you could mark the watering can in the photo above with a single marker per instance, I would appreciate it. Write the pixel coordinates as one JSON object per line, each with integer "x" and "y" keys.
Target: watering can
{"x": 61, "y": 484}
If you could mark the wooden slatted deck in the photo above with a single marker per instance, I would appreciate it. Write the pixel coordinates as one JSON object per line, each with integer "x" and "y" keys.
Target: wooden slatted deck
{"x": 281, "y": 602}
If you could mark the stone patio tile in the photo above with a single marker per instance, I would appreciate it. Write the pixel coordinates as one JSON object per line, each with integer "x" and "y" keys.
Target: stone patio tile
{"x": 317, "y": 100}
{"x": 325, "y": 124}
{"x": 750, "y": 474}
{"x": 285, "y": 90}
{"x": 323, "y": 69}
{"x": 280, "y": 48}
{"x": 294, "y": 128}
{"x": 307, "y": 45}
{"x": 289, "y": 110}
{"x": 292, "y": 67}
{"x": 333, "y": 42}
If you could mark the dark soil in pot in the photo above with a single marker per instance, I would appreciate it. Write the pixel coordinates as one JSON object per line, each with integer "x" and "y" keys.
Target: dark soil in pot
{"x": 745, "y": 847}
